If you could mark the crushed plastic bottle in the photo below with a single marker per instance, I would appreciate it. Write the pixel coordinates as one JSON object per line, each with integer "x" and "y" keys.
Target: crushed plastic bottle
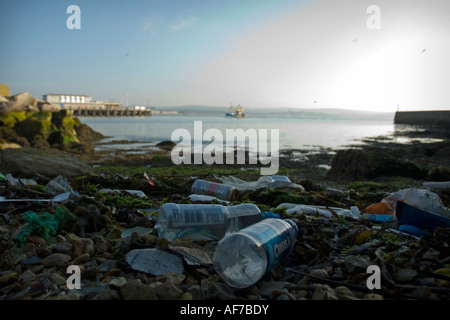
{"x": 201, "y": 198}
{"x": 206, "y": 221}
{"x": 291, "y": 208}
{"x": 221, "y": 191}
{"x": 244, "y": 257}
{"x": 272, "y": 182}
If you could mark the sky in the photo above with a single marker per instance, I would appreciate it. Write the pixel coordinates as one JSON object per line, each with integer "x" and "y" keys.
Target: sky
{"x": 354, "y": 54}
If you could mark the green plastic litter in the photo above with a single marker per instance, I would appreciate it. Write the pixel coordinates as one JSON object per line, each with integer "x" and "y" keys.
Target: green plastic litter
{"x": 45, "y": 225}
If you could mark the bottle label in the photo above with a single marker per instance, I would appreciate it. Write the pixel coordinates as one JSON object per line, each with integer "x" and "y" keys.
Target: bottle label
{"x": 197, "y": 216}
{"x": 211, "y": 188}
{"x": 278, "y": 238}
{"x": 241, "y": 210}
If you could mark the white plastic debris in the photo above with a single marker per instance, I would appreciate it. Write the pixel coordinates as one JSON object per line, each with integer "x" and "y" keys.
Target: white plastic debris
{"x": 205, "y": 199}
{"x": 17, "y": 181}
{"x": 323, "y": 211}
{"x": 420, "y": 198}
{"x": 441, "y": 185}
{"x": 272, "y": 182}
{"x": 154, "y": 261}
{"x": 139, "y": 193}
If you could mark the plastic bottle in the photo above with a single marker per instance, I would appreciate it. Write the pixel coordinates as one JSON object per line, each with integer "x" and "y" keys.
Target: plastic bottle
{"x": 206, "y": 221}
{"x": 221, "y": 191}
{"x": 244, "y": 257}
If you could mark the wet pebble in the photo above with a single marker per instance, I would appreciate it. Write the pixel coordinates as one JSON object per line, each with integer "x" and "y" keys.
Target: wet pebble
{"x": 55, "y": 259}
{"x": 405, "y": 275}
{"x": 136, "y": 290}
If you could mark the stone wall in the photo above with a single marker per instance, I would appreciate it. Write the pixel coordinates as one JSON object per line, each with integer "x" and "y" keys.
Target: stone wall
{"x": 423, "y": 117}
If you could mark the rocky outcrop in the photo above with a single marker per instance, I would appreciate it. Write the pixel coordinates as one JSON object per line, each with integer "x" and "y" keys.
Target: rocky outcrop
{"x": 46, "y": 130}
{"x": 29, "y": 162}
{"x": 359, "y": 164}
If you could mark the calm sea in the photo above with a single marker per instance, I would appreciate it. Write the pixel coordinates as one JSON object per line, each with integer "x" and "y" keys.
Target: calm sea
{"x": 294, "y": 133}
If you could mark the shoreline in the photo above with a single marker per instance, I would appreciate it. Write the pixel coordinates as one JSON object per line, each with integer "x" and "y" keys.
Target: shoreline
{"x": 426, "y": 146}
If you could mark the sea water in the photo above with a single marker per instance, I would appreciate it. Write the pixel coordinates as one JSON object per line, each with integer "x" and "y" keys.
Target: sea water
{"x": 294, "y": 133}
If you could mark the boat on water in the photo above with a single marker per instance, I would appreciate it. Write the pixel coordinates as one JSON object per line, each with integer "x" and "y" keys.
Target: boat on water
{"x": 239, "y": 113}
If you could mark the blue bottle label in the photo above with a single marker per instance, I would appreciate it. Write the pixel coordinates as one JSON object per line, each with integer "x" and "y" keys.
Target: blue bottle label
{"x": 278, "y": 238}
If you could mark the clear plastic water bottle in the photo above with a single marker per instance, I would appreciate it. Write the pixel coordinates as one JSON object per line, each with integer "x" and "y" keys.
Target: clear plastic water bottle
{"x": 221, "y": 191}
{"x": 206, "y": 221}
{"x": 244, "y": 257}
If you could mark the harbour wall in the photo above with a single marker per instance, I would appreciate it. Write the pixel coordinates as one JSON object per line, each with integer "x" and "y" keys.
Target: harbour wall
{"x": 423, "y": 117}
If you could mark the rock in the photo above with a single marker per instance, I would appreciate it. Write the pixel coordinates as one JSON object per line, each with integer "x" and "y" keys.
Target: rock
{"x": 117, "y": 282}
{"x": 136, "y": 290}
{"x": 373, "y": 296}
{"x": 31, "y": 261}
{"x": 166, "y": 145}
{"x": 36, "y": 127}
{"x": 81, "y": 259}
{"x": 43, "y": 252}
{"x": 55, "y": 259}
{"x": 266, "y": 287}
{"x": 424, "y": 293}
{"x": 101, "y": 244}
{"x": 57, "y": 279}
{"x": 405, "y": 275}
{"x": 324, "y": 292}
{"x": 174, "y": 278}
{"x": 10, "y": 136}
{"x": 44, "y": 106}
{"x": 355, "y": 264}
{"x": 107, "y": 266}
{"x": 8, "y": 278}
{"x": 154, "y": 261}
{"x": 90, "y": 273}
{"x": 62, "y": 247}
{"x": 27, "y": 162}
{"x": 168, "y": 291}
{"x": 20, "y": 102}
{"x": 28, "y": 275}
{"x": 80, "y": 245}
{"x": 86, "y": 133}
{"x": 320, "y": 273}
{"x": 35, "y": 239}
{"x": 344, "y": 291}
{"x": 358, "y": 165}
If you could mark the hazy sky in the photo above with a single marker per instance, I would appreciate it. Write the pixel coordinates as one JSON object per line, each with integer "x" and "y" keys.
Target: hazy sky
{"x": 257, "y": 53}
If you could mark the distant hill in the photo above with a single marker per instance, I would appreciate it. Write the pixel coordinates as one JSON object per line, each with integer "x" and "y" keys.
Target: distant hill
{"x": 284, "y": 112}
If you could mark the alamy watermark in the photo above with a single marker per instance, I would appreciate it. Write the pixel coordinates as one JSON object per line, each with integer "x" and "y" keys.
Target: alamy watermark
{"x": 214, "y": 153}
{"x": 74, "y": 20}
{"x": 73, "y": 281}
{"x": 373, "y": 22}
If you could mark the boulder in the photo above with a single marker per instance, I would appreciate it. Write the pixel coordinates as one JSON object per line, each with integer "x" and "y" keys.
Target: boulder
{"x": 86, "y": 133}
{"x": 361, "y": 164}
{"x": 47, "y": 107}
{"x": 20, "y": 102}
{"x": 27, "y": 162}
{"x": 166, "y": 145}
{"x": 36, "y": 127}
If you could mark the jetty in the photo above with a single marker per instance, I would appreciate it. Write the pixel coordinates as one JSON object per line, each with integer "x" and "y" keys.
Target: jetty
{"x": 99, "y": 112}
{"x": 84, "y": 106}
{"x": 438, "y": 118}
